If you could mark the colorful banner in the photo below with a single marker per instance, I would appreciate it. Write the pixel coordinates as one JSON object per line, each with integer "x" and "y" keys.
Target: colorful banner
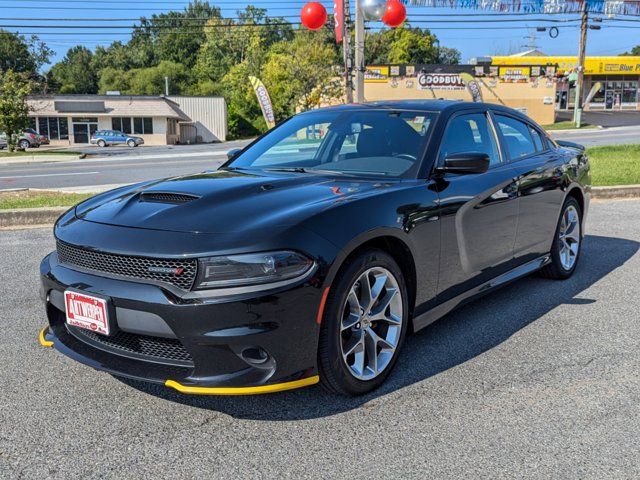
{"x": 376, "y": 74}
{"x": 264, "y": 100}
{"x": 338, "y": 18}
{"x": 606, "y": 7}
{"x": 472, "y": 86}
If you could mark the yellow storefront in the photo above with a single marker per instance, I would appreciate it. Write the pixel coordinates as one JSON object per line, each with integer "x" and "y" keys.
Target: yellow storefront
{"x": 617, "y": 79}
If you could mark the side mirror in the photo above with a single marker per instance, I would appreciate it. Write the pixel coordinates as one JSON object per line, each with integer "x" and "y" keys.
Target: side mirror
{"x": 231, "y": 154}
{"x": 467, "y": 162}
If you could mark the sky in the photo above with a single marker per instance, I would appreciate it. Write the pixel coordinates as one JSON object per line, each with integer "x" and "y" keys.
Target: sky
{"x": 477, "y": 38}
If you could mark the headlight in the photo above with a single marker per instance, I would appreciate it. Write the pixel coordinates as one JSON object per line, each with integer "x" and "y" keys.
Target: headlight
{"x": 250, "y": 269}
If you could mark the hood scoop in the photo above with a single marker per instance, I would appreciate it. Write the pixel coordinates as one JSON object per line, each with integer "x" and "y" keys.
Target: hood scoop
{"x": 167, "y": 197}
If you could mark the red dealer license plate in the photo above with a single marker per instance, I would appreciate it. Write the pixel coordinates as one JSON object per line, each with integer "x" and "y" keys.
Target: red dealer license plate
{"x": 85, "y": 311}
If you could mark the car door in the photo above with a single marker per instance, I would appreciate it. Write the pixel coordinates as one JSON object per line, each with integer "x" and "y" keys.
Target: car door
{"x": 539, "y": 169}
{"x": 479, "y": 212}
{"x": 119, "y": 137}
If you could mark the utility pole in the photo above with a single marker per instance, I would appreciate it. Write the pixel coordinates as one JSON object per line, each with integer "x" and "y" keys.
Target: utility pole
{"x": 359, "y": 53}
{"x": 346, "y": 48}
{"x": 166, "y": 86}
{"x": 577, "y": 112}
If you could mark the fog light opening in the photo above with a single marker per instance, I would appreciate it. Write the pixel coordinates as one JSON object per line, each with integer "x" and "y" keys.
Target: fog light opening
{"x": 255, "y": 355}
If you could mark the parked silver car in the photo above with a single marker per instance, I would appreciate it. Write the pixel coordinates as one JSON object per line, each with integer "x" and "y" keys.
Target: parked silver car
{"x": 28, "y": 139}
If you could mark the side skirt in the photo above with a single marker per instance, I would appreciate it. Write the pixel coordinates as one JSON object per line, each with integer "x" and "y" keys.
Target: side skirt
{"x": 441, "y": 310}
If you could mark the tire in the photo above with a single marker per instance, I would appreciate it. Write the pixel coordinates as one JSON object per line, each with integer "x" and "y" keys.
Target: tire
{"x": 352, "y": 374}
{"x": 102, "y": 143}
{"x": 131, "y": 144}
{"x": 24, "y": 144}
{"x": 565, "y": 253}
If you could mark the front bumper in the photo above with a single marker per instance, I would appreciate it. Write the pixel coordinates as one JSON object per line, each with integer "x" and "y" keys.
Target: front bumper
{"x": 217, "y": 339}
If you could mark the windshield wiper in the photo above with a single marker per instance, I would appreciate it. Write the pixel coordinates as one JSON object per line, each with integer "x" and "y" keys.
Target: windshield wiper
{"x": 318, "y": 171}
{"x": 287, "y": 169}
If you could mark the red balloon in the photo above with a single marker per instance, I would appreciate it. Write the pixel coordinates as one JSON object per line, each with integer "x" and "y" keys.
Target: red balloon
{"x": 395, "y": 13}
{"x": 313, "y": 16}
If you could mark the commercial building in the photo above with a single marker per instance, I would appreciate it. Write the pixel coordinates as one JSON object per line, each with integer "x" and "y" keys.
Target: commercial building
{"x": 532, "y": 82}
{"x": 616, "y": 79}
{"x": 72, "y": 119}
{"x": 394, "y": 82}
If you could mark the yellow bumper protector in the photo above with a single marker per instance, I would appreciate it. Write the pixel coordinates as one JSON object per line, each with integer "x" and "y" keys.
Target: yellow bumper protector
{"x": 276, "y": 387}
{"x": 43, "y": 341}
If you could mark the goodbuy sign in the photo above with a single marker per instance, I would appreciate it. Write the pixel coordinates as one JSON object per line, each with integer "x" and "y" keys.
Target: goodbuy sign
{"x": 441, "y": 81}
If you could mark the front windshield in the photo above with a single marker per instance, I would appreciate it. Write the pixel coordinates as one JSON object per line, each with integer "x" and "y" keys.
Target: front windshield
{"x": 353, "y": 142}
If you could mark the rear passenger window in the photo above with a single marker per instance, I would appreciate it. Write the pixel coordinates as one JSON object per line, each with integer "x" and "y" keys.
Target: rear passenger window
{"x": 517, "y": 136}
{"x": 470, "y": 133}
{"x": 537, "y": 140}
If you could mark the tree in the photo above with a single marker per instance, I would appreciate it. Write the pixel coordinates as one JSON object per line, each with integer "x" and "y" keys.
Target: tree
{"x": 75, "y": 73}
{"x": 150, "y": 81}
{"x": 14, "y": 111}
{"x": 635, "y": 51}
{"x": 300, "y": 74}
{"x": 177, "y": 36}
{"x": 22, "y": 55}
{"x": 448, "y": 56}
{"x": 401, "y": 45}
{"x": 229, "y": 43}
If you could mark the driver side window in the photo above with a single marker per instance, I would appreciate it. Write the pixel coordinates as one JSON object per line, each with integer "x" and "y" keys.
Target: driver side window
{"x": 470, "y": 133}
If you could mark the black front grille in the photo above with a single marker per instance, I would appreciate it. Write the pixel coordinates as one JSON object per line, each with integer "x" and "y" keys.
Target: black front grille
{"x": 181, "y": 273}
{"x": 167, "y": 197}
{"x": 154, "y": 349}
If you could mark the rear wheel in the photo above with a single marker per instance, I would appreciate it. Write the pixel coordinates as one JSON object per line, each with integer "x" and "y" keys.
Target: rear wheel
{"x": 567, "y": 243}
{"x": 364, "y": 324}
{"x": 24, "y": 144}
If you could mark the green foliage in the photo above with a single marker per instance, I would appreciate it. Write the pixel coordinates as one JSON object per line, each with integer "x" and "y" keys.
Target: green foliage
{"x": 635, "y": 51}
{"x": 20, "y": 54}
{"x": 166, "y": 32}
{"x": 401, "y": 45}
{"x": 146, "y": 81}
{"x": 300, "y": 74}
{"x": 75, "y": 73}
{"x": 14, "y": 111}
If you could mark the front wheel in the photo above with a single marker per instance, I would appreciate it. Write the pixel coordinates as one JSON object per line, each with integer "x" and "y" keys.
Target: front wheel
{"x": 567, "y": 243}
{"x": 102, "y": 143}
{"x": 364, "y": 324}
{"x": 131, "y": 143}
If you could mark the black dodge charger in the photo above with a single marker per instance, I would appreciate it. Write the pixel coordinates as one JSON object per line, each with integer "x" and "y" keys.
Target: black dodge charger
{"x": 312, "y": 253}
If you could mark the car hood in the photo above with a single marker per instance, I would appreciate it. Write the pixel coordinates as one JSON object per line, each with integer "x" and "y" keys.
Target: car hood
{"x": 224, "y": 201}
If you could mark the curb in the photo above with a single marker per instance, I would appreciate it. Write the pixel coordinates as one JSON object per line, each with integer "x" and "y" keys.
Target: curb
{"x": 617, "y": 192}
{"x": 27, "y": 217}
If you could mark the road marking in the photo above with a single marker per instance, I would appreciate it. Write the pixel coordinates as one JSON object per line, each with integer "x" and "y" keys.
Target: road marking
{"x": 49, "y": 175}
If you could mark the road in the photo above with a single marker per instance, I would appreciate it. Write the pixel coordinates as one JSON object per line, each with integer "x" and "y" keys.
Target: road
{"x": 126, "y": 165}
{"x": 538, "y": 380}
{"x": 593, "y": 137}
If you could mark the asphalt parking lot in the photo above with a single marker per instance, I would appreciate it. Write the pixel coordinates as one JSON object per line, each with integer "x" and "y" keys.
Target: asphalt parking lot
{"x": 539, "y": 380}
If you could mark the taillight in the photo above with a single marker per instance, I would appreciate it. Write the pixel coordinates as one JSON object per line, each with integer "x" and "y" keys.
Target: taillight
{"x": 31, "y": 135}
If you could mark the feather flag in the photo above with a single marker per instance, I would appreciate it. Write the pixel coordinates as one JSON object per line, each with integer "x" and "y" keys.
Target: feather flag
{"x": 605, "y": 7}
{"x": 264, "y": 100}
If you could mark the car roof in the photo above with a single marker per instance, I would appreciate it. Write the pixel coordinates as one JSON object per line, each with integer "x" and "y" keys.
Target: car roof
{"x": 435, "y": 105}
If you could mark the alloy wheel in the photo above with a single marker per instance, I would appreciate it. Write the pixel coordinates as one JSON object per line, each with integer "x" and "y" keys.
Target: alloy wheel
{"x": 569, "y": 237}
{"x": 371, "y": 323}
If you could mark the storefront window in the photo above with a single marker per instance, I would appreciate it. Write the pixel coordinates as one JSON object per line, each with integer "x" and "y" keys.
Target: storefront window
{"x": 630, "y": 92}
{"x": 56, "y": 128}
